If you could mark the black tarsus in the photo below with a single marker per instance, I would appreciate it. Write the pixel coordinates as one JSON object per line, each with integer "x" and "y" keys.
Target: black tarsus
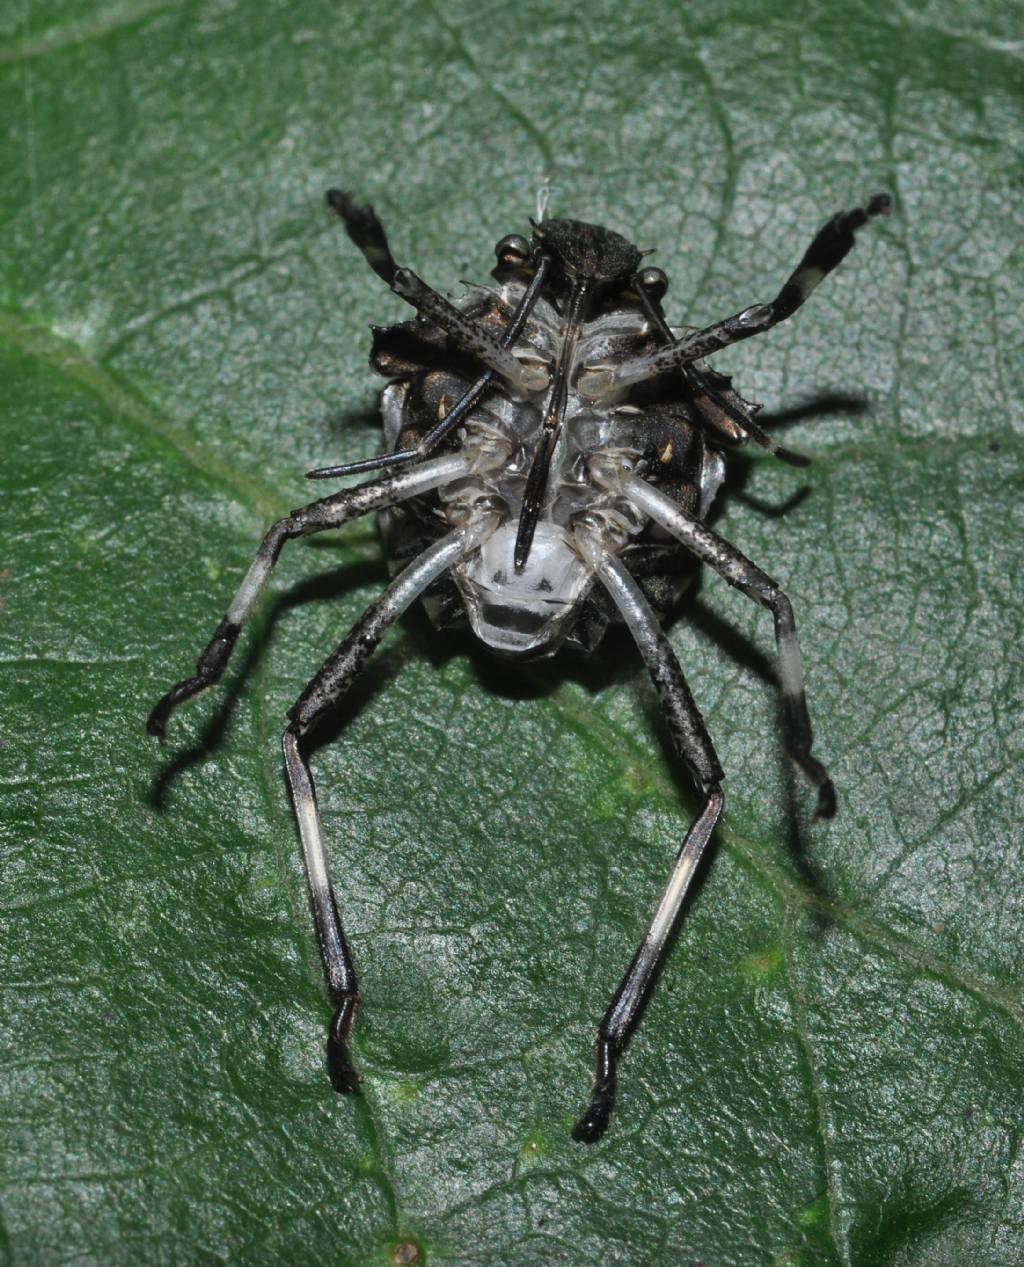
{"x": 209, "y": 669}
{"x": 594, "y": 1121}
{"x": 340, "y": 1069}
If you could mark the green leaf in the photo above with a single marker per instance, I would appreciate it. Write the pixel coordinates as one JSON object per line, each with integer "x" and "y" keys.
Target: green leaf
{"x": 831, "y": 1069}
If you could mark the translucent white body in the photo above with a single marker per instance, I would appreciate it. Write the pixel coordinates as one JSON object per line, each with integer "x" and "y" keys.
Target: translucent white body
{"x": 530, "y": 612}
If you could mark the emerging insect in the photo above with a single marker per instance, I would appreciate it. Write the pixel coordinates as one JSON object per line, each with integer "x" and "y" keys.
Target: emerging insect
{"x": 558, "y": 446}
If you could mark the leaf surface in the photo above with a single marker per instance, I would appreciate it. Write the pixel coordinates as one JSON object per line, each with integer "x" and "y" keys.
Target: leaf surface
{"x": 831, "y": 1070}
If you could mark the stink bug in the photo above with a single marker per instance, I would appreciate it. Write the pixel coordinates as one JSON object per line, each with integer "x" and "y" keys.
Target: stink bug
{"x": 554, "y": 447}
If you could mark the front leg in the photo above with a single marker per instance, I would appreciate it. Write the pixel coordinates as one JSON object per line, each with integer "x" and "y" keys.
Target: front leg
{"x": 832, "y": 243}
{"x": 458, "y": 412}
{"x": 329, "y": 512}
{"x": 367, "y": 232}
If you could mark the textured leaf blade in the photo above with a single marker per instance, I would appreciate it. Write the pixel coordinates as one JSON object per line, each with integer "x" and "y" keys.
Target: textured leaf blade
{"x": 830, "y": 1071}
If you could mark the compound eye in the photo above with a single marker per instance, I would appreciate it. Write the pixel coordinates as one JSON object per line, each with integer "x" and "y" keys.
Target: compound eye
{"x": 513, "y": 251}
{"x": 654, "y": 281}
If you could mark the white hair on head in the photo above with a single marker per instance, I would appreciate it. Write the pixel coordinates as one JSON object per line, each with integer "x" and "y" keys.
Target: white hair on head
{"x": 544, "y": 196}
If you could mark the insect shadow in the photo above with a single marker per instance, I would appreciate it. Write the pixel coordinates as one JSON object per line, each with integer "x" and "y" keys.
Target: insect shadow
{"x": 745, "y": 653}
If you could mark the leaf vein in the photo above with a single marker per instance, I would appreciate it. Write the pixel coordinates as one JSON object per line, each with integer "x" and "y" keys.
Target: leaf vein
{"x": 84, "y": 32}
{"x": 818, "y": 1098}
{"x": 69, "y": 359}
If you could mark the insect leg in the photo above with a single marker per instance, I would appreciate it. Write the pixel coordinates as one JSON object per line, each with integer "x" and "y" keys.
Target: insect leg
{"x": 747, "y": 577}
{"x": 462, "y": 406}
{"x": 367, "y": 232}
{"x": 693, "y": 746}
{"x": 728, "y": 422}
{"x": 330, "y": 512}
{"x": 830, "y": 247}
{"x": 319, "y": 697}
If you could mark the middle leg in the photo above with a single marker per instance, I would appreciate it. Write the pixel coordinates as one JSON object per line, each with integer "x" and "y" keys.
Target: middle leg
{"x": 748, "y": 578}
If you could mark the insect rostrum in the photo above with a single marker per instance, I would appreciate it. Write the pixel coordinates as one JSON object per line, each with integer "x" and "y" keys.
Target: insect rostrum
{"x": 554, "y": 447}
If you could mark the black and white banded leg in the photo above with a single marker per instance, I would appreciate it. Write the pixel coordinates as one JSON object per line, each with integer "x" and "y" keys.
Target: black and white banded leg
{"x": 329, "y": 512}
{"x": 367, "y": 232}
{"x": 831, "y": 245}
{"x": 694, "y": 748}
{"x": 321, "y": 695}
{"x": 463, "y": 406}
{"x": 747, "y": 577}
{"x": 729, "y": 424}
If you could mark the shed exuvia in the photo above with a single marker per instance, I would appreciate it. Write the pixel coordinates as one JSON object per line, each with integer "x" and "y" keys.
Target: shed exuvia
{"x": 554, "y": 447}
